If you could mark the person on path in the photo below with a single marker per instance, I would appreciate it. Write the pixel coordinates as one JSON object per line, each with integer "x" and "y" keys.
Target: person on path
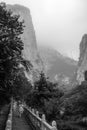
{"x": 15, "y": 106}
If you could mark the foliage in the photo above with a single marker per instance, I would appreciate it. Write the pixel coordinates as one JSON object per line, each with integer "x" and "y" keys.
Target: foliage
{"x": 4, "y": 98}
{"x": 10, "y": 43}
{"x": 75, "y": 103}
{"x": 21, "y": 86}
{"x": 45, "y": 97}
{"x": 11, "y": 47}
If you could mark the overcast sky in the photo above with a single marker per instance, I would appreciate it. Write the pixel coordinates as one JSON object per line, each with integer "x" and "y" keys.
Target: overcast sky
{"x": 58, "y": 23}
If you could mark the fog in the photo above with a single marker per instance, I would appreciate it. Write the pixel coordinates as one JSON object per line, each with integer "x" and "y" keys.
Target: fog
{"x": 58, "y": 23}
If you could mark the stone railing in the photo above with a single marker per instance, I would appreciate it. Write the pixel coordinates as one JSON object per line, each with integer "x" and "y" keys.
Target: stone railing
{"x": 9, "y": 120}
{"x": 40, "y": 123}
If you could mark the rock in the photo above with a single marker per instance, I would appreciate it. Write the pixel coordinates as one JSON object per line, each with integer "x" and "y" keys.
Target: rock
{"x": 82, "y": 64}
{"x": 28, "y": 37}
{"x": 55, "y": 63}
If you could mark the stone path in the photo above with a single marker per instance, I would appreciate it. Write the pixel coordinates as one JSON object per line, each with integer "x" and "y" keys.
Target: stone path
{"x": 19, "y": 123}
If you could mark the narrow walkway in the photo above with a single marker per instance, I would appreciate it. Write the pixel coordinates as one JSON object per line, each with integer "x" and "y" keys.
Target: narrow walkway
{"x": 19, "y": 123}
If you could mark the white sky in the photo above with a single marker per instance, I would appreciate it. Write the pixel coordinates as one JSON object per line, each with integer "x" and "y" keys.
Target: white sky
{"x": 58, "y": 23}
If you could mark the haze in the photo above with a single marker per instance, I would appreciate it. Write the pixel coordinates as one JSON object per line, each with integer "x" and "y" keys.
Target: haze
{"x": 58, "y": 23}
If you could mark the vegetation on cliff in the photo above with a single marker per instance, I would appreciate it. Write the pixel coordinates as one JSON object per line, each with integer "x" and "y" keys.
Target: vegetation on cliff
{"x": 43, "y": 95}
{"x": 11, "y": 47}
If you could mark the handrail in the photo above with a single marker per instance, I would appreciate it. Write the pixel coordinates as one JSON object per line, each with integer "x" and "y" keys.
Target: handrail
{"x": 9, "y": 120}
{"x": 40, "y": 122}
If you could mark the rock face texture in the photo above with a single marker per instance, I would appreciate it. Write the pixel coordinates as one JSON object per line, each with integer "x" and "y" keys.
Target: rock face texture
{"x": 82, "y": 64}
{"x": 56, "y": 64}
{"x": 28, "y": 37}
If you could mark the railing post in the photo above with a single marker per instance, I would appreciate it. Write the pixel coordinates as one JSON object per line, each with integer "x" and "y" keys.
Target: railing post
{"x": 32, "y": 116}
{"x": 37, "y": 113}
{"x": 32, "y": 110}
{"x": 54, "y": 125}
{"x": 43, "y": 120}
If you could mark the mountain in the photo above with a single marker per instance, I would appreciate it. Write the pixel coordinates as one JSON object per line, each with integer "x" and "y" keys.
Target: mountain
{"x": 82, "y": 64}
{"x": 56, "y": 64}
{"x": 28, "y": 37}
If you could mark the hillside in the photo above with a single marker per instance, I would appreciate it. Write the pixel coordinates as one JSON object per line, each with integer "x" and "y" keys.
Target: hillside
{"x": 56, "y": 64}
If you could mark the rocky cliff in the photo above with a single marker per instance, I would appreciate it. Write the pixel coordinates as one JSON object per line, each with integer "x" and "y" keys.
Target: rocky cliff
{"x": 56, "y": 63}
{"x": 28, "y": 37}
{"x": 82, "y": 64}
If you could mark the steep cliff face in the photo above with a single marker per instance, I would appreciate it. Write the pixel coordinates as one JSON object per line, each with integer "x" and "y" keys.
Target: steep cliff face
{"x": 28, "y": 37}
{"x": 82, "y": 64}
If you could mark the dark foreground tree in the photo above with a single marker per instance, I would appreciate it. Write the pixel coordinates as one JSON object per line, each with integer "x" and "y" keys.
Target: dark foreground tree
{"x": 45, "y": 97}
{"x": 11, "y": 47}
